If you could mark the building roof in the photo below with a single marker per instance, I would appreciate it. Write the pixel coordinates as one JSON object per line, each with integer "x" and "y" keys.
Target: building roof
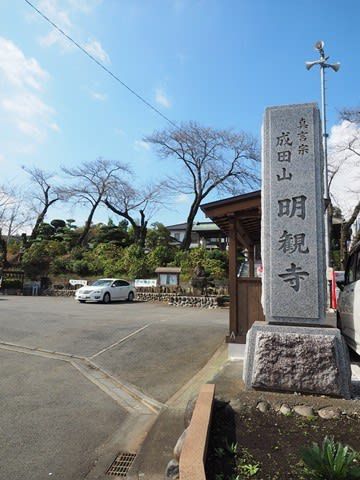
{"x": 177, "y": 226}
{"x": 205, "y": 227}
{"x": 168, "y": 270}
{"x": 245, "y": 210}
{"x": 197, "y": 226}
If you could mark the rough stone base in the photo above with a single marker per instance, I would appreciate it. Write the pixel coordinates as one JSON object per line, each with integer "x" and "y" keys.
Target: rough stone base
{"x": 297, "y": 359}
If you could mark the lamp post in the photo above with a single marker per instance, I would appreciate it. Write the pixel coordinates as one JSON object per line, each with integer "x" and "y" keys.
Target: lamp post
{"x": 322, "y": 62}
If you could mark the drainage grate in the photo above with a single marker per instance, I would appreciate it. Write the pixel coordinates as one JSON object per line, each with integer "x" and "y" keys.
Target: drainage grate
{"x": 121, "y": 465}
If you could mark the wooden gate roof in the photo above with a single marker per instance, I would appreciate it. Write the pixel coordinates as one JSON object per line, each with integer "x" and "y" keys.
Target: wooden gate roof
{"x": 244, "y": 209}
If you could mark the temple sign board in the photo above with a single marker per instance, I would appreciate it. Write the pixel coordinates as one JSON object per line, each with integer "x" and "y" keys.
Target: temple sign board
{"x": 293, "y": 231}
{"x": 294, "y": 350}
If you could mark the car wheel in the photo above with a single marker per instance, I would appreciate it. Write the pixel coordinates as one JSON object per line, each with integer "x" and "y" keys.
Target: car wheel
{"x": 106, "y": 298}
{"x": 81, "y": 301}
{"x": 131, "y": 296}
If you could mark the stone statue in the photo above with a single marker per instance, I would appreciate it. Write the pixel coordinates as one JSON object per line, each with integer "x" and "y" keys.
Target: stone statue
{"x": 199, "y": 280}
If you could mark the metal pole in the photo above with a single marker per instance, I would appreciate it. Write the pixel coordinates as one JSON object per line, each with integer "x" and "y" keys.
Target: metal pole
{"x": 322, "y": 62}
{"x": 326, "y": 183}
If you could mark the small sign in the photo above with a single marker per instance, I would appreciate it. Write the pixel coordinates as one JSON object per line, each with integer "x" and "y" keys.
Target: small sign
{"x": 78, "y": 282}
{"x": 147, "y": 282}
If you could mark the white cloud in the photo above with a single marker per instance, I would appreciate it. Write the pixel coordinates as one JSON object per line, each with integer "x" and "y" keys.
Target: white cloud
{"x": 30, "y": 129}
{"x": 94, "y": 48}
{"x": 26, "y": 105}
{"x": 58, "y": 15}
{"x": 345, "y": 187}
{"x": 19, "y": 70}
{"x": 2, "y": 158}
{"x": 60, "y": 12}
{"x": 55, "y": 127}
{"x": 84, "y": 6}
{"x": 23, "y": 81}
{"x": 101, "y": 97}
{"x": 56, "y": 38}
{"x": 161, "y": 98}
{"x": 182, "y": 198}
{"x": 141, "y": 145}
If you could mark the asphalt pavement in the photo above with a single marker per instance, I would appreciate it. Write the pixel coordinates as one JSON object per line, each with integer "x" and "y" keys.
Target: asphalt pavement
{"x": 79, "y": 382}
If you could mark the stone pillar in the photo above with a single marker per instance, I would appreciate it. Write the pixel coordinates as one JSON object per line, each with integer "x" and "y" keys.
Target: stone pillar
{"x": 293, "y": 254}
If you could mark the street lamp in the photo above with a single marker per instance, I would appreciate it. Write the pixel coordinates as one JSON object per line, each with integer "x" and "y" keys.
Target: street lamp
{"x": 322, "y": 62}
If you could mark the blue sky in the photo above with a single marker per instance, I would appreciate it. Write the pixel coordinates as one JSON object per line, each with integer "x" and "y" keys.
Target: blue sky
{"x": 219, "y": 62}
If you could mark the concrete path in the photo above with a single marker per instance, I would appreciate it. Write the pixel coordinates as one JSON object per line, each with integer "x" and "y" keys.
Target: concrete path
{"x": 79, "y": 383}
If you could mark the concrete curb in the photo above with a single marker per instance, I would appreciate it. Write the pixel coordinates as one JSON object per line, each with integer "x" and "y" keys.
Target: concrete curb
{"x": 193, "y": 454}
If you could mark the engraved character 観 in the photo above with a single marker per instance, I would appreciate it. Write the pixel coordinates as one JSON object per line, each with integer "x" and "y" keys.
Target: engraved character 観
{"x": 290, "y": 243}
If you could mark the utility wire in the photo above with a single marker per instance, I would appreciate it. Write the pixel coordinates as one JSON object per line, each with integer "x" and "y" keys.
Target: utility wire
{"x": 142, "y": 99}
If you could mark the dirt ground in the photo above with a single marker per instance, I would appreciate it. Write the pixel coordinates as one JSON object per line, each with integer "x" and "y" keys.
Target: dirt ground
{"x": 267, "y": 446}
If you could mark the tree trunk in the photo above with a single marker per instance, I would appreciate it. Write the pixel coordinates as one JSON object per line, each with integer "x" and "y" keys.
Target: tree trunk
{"x": 190, "y": 222}
{"x": 84, "y": 235}
{"x": 140, "y": 231}
{"x": 3, "y": 251}
{"x": 40, "y": 218}
{"x": 345, "y": 235}
{"x": 39, "y": 221}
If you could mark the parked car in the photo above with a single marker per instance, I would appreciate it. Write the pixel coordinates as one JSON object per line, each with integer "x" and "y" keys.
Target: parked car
{"x": 106, "y": 290}
{"x": 348, "y": 313}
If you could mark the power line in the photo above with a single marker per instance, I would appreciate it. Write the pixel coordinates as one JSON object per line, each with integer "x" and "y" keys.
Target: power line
{"x": 115, "y": 77}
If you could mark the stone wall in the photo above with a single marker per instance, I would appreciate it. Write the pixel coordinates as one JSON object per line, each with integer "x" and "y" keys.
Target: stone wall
{"x": 63, "y": 292}
{"x": 169, "y": 298}
{"x": 179, "y": 300}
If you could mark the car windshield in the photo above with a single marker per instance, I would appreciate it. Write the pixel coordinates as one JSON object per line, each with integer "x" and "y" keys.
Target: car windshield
{"x": 102, "y": 283}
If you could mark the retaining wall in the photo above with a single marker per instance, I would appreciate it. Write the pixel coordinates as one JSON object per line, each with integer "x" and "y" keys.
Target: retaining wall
{"x": 169, "y": 298}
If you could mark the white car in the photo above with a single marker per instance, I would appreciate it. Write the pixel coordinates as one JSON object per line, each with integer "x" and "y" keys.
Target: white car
{"x": 349, "y": 301}
{"x": 106, "y": 290}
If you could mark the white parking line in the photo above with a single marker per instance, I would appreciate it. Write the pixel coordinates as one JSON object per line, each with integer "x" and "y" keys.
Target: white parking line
{"x": 120, "y": 341}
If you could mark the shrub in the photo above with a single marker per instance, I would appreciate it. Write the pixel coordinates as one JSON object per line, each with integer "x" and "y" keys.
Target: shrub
{"x": 12, "y": 283}
{"x": 331, "y": 461}
{"x": 215, "y": 262}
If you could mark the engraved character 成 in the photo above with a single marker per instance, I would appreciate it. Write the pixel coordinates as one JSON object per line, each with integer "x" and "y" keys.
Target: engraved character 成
{"x": 283, "y": 139}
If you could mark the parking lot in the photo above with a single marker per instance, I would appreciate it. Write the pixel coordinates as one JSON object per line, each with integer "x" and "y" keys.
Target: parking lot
{"x": 73, "y": 374}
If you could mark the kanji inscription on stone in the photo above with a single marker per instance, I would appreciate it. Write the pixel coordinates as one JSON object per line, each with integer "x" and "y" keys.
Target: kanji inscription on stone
{"x": 292, "y": 223}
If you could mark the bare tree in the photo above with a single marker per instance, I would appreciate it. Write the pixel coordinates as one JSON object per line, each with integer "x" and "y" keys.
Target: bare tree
{"x": 211, "y": 160}
{"x": 14, "y": 215}
{"x": 92, "y": 182}
{"x": 43, "y": 195}
{"x": 350, "y": 114}
{"x": 128, "y": 202}
{"x": 346, "y": 155}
